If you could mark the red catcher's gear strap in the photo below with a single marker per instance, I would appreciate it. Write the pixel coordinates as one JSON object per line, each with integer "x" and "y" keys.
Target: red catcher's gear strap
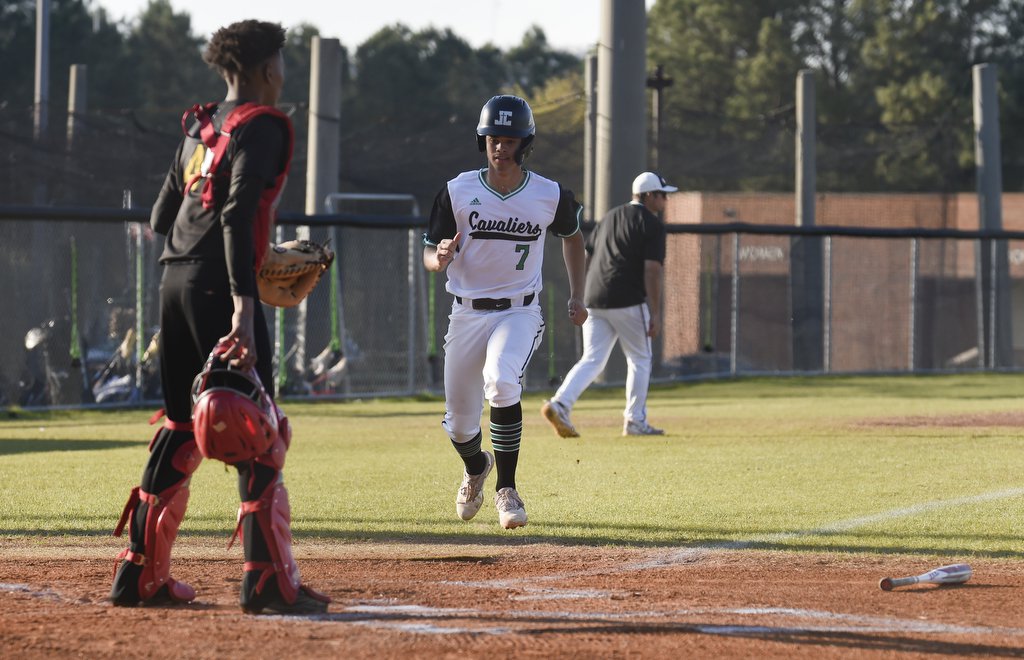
{"x": 129, "y": 507}
{"x": 169, "y": 424}
{"x": 217, "y": 142}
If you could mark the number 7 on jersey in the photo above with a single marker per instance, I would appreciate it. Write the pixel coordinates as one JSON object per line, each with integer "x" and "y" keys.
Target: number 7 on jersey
{"x": 525, "y": 249}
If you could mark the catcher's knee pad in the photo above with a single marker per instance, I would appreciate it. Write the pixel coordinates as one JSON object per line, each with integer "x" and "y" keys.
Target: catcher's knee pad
{"x": 272, "y": 514}
{"x": 144, "y": 568}
{"x": 461, "y": 428}
{"x": 275, "y": 455}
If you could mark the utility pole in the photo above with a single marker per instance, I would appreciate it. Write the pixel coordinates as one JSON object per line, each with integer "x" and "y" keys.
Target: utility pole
{"x": 323, "y": 163}
{"x": 997, "y": 304}
{"x": 658, "y": 81}
{"x": 806, "y": 252}
{"x": 621, "y": 144}
{"x": 590, "y": 136}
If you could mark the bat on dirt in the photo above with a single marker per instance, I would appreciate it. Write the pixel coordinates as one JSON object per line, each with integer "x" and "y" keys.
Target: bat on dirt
{"x": 952, "y": 574}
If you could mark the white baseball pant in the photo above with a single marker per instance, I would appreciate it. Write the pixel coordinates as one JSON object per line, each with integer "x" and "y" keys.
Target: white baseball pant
{"x": 600, "y": 331}
{"x": 485, "y": 356}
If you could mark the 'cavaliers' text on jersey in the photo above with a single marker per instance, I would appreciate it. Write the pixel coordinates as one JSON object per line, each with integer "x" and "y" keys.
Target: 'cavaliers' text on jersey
{"x": 502, "y": 247}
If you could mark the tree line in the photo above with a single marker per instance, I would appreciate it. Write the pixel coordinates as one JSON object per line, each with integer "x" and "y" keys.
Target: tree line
{"x": 893, "y": 81}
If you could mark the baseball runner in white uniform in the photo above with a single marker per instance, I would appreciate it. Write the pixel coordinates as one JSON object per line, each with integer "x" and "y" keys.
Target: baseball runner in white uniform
{"x": 624, "y": 282}
{"x": 487, "y": 229}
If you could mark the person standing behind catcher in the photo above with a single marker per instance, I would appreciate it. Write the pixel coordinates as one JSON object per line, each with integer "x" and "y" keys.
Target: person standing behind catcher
{"x": 487, "y": 229}
{"x": 624, "y": 282}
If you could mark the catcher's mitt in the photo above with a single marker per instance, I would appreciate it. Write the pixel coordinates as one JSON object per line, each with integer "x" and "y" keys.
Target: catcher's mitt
{"x": 291, "y": 270}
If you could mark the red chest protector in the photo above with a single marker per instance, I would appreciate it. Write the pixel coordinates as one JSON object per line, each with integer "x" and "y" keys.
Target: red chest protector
{"x": 217, "y": 144}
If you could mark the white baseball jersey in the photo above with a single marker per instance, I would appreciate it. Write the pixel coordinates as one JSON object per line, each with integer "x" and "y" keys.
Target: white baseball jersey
{"x": 502, "y": 247}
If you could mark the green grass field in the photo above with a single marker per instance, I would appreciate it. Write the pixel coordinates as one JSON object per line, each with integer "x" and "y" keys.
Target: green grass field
{"x": 824, "y": 464}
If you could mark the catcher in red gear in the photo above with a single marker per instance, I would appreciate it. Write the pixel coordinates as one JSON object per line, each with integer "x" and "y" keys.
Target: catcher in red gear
{"x": 216, "y": 211}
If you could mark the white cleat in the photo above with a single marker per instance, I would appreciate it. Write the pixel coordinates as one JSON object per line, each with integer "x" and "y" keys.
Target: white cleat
{"x": 640, "y": 428}
{"x": 558, "y": 417}
{"x": 471, "y": 493}
{"x": 511, "y": 510}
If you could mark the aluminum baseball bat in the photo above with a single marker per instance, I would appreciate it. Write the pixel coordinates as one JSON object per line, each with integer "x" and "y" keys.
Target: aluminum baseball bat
{"x": 951, "y": 574}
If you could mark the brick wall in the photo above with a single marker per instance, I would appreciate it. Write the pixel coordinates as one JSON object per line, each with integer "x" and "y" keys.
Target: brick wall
{"x": 870, "y": 278}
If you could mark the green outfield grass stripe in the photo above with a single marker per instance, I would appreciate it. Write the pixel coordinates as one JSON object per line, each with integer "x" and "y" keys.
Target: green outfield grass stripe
{"x": 816, "y": 464}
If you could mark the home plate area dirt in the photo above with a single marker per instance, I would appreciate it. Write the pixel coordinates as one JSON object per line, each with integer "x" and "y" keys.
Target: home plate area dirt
{"x": 518, "y": 600}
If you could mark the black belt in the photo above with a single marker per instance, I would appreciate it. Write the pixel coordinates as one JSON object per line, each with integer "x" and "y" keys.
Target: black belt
{"x": 495, "y": 304}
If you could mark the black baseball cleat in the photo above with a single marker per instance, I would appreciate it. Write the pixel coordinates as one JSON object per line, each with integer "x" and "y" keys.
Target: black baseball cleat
{"x": 306, "y": 602}
{"x": 125, "y": 592}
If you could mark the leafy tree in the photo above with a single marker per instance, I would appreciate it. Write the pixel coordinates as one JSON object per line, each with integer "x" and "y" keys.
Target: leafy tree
{"x": 762, "y": 104}
{"x": 412, "y": 108}
{"x": 921, "y": 53}
{"x": 705, "y": 46}
{"x": 17, "y": 52}
{"x": 893, "y": 88}
{"x": 558, "y": 110}
{"x": 1007, "y": 50}
{"x": 532, "y": 63}
{"x": 297, "y": 61}
{"x": 829, "y": 37}
{"x": 98, "y": 44}
{"x": 419, "y": 76}
{"x": 166, "y": 64}
{"x": 893, "y": 95}
{"x": 106, "y": 54}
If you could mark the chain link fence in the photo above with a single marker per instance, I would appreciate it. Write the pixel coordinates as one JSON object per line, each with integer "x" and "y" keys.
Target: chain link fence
{"x": 885, "y": 301}
{"x": 85, "y": 290}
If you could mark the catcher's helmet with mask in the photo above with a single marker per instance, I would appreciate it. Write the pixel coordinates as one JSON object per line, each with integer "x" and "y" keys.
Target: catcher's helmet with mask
{"x": 233, "y": 416}
{"x": 507, "y": 116}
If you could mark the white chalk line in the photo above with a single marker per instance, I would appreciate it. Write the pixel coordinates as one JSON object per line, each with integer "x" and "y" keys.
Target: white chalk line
{"x": 867, "y": 622}
{"x": 538, "y": 593}
{"x": 383, "y": 617}
{"x": 28, "y": 591}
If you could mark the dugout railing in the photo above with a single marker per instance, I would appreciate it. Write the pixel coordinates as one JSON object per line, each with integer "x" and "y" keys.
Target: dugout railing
{"x": 740, "y": 299}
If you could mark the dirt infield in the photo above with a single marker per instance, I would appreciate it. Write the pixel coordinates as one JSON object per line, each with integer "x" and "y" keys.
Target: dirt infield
{"x": 518, "y": 599}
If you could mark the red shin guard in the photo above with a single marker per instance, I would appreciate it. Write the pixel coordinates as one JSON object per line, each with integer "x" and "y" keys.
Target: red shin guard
{"x": 163, "y": 517}
{"x": 164, "y": 512}
{"x": 272, "y": 513}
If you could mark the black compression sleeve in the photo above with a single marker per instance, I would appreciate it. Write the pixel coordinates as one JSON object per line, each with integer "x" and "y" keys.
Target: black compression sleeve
{"x": 237, "y": 223}
{"x": 165, "y": 209}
